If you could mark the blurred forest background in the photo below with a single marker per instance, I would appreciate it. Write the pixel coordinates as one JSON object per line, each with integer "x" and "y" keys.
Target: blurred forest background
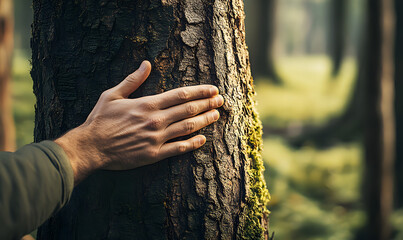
{"x": 306, "y": 58}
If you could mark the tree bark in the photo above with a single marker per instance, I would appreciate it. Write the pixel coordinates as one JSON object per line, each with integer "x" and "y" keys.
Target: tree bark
{"x": 7, "y": 131}
{"x": 81, "y": 48}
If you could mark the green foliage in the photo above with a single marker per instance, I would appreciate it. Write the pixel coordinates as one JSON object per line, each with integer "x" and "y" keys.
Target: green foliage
{"x": 23, "y": 98}
{"x": 308, "y": 94}
{"x": 397, "y": 223}
{"x": 315, "y": 193}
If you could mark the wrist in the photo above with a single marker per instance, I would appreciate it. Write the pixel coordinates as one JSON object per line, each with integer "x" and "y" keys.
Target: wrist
{"x": 84, "y": 158}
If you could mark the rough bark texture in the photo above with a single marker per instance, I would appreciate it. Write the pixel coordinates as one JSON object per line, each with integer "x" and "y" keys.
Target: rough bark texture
{"x": 7, "y": 131}
{"x": 81, "y": 48}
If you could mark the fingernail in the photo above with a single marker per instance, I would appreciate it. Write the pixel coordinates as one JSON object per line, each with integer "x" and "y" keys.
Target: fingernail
{"x": 143, "y": 66}
{"x": 216, "y": 115}
{"x": 202, "y": 140}
{"x": 214, "y": 91}
{"x": 220, "y": 100}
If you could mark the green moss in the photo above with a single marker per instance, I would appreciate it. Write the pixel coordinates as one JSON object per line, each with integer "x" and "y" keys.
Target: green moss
{"x": 253, "y": 224}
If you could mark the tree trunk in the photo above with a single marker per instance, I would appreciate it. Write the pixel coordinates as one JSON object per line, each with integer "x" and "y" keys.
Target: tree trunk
{"x": 399, "y": 103}
{"x": 81, "y": 48}
{"x": 7, "y": 131}
{"x": 379, "y": 122}
{"x": 345, "y": 127}
{"x": 22, "y": 30}
{"x": 260, "y": 38}
{"x": 337, "y": 33}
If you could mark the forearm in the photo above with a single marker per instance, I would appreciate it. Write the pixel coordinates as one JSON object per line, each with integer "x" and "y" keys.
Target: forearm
{"x": 35, "y": 182}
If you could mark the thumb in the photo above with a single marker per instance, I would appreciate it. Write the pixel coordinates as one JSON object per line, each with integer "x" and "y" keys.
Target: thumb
{"x": 134, "y": 80}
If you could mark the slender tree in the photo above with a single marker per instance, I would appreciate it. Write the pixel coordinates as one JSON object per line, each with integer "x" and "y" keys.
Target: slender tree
{"x": 337, "y": 32}
{"x": 81, "y": 48}
{"x": 22, "y": 22}
{"x": 399, "y": 102}
{"x": 7, "y": 132}
{"x": 314, "y": 38}
{"x": 260, "y": 38}
{"x": 379, "y": 119}
{"x": 345, "y": 127}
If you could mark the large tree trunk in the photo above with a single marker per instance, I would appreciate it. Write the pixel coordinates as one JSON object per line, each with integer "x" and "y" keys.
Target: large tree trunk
{"x": 7, "y": 131}
{"x": 81, "y": 48}
{"x": 379, "y": 122}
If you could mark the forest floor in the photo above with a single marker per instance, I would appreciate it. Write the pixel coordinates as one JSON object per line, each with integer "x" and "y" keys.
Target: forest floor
{"x": 315, "y": 192}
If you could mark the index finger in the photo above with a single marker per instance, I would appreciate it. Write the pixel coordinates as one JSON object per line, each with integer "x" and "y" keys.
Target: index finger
{"x": 185, "y": 94}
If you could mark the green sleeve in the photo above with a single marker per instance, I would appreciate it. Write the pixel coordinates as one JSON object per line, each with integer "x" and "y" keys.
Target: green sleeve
{"x": 35, "y": 182}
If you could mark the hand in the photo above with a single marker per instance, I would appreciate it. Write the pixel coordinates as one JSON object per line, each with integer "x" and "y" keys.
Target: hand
{"x": 122, "y": 133}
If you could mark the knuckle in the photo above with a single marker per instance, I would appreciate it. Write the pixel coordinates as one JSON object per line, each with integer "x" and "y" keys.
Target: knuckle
{"x": 195, "y": 145}
{"x": 153, "y": 139}
{"x": 182, "y": 148}
{"x": 212, "y": 103}
{"x": 206, "y": 92}
{"x": 191, "y": 109}
{"x": 153, "y": 153}
{"x": 184, "y": 95}
{"x": 106, "y": 94}
{"x": 208, "y": 119}
{"x": 155, "y": 122}
{"x": 132, "y": 77}
{"x": 190, "y": 126}
{"x": 150, "y": 104}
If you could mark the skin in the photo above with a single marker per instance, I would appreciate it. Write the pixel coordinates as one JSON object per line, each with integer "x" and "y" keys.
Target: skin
{"x": 122, "y": 133}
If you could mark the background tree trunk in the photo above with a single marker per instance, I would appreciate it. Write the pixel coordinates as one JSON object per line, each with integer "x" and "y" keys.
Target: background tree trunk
{"x": 399, "y": 103}
{"x": 345, "y": 127}
{"x": 22, "y": 24}
{"x": 260, "y": 38}
{"x": 81, "y": 48}
{"x": 7, "y": 131}
{"x": 379, "y": 122}
{"x": 337, "y": 33}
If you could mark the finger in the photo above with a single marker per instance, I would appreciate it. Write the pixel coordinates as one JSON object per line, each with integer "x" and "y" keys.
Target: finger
{"x": 177, "y": 148}
{"x": 134, "y": 80}
{"x": 192, "y": 108}
{"x": 185, "y": 94}
{"x": 190, "y": 125}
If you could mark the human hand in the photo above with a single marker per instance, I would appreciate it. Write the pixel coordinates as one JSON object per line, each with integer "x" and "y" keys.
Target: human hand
{"x": 122, "y": 133}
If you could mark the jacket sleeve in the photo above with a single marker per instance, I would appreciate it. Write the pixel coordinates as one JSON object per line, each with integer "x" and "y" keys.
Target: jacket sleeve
{"x": 35, "y": 182}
